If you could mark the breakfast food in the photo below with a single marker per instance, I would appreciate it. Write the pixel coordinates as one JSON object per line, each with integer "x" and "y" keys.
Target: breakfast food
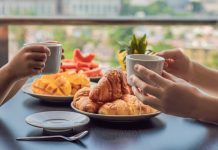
{"x": 111, "y": 96}
{"x": 60, "y": 84}
{"x": 83, "y": 102}
{"x": 111, "y": 86}
{"x": 82, "y": 64}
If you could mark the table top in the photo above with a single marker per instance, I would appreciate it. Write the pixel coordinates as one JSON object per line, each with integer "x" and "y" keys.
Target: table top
{"x": 163, "y": 132}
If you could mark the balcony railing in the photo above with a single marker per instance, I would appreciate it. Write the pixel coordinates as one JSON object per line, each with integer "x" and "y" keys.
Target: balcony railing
{"x": 6, "y": 21}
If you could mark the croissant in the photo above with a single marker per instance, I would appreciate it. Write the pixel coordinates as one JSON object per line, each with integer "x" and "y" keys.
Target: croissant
{"x": 82, "y": 101}
{"x": 117, "y": 107}
{"x": 136, "y": 107}
{"x": 128, "y": 105}
{"x": 111, "y": 96}
{"x": 110, "y": 87}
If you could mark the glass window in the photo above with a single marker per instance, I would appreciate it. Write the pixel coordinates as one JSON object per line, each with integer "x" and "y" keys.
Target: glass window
{"x": 199, "y": 42}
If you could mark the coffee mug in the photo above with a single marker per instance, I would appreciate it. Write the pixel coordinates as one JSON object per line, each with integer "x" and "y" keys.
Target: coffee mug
{"x": 53, "y": 61}
{"x": 154, "y": 63}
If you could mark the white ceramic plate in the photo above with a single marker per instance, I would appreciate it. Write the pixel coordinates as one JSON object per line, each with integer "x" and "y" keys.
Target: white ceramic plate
{"x": 117, "y": 118}
{"x": 27, "y": 88}
{"x": 57, "y": 121}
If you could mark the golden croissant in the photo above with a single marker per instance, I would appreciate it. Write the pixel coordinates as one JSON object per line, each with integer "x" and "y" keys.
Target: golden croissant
{"x": 82, "y": 101}
{"x": 128, "y": 105}
{"x": 111, "y": 96}
{"x": 110, "y": 87}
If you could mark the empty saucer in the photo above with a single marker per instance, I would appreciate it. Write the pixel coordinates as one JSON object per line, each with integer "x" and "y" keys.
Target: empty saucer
{"x": 57, "y": 121}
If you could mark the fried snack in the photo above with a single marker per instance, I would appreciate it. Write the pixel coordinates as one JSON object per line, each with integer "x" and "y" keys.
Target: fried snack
{"x": 128, "y": 105}
{"x": 110, "y": 87}
{"x": 82, "y": 101}
{"x": 59, "y": 86}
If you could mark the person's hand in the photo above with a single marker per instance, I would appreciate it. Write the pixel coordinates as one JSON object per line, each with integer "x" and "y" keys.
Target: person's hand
{"x": 29, "y": 61}
{"x": 168, "y": 94}
{"x": 177, "y": 63}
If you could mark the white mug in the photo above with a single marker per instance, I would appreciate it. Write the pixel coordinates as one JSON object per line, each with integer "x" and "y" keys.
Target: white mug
{"x": 53, "y": 61}
{"x": 154, "y": 63}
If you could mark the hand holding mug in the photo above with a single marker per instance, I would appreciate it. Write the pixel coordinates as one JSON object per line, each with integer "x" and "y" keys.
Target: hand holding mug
{"x": 177, "y": 63}
{"x": 53, "y": 62}
{"x": 168, "y": 94}
{"x": 29, "y": 61}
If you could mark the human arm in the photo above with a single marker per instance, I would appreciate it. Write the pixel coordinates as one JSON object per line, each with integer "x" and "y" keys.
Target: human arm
{"x": 178, "y": 64}
{"x": 205, "y": 78}
{"x": 175, "y": 96}
{"x": 29, "y": 61}
{"x": 18, "y": 84}
{"x": 15, "y": 88}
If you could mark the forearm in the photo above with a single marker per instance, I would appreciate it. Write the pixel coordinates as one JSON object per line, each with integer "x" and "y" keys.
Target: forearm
{"x": 6, "y": 83}
{"x": 207, "y": 109}
{"x": 205, "y": 78}
{"x": 14, "y": 89}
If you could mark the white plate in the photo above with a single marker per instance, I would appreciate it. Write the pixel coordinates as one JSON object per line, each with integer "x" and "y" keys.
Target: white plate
{"x": 117, "y": 118}
{"x": 27, "y": 88}
{"x": 57, "y": 121}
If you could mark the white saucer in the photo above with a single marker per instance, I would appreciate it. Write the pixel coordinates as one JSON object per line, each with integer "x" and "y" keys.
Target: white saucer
{"x": 57, "y": 121}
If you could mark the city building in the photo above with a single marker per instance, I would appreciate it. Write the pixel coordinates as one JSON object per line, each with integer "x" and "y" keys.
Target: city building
{"x": 74, "y": 8}
{"x": 27, "y": 7}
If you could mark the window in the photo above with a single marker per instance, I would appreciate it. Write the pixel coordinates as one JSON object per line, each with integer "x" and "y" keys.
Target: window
{"x": 200, "y": 42}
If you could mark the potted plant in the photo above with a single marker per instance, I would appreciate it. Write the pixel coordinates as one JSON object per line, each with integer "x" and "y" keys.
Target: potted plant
{"x": 135, "y": 46}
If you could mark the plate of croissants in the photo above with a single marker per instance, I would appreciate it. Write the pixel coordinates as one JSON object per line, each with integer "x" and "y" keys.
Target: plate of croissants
{"x": 60, "y": 87}
{"x": 111, "y": 99}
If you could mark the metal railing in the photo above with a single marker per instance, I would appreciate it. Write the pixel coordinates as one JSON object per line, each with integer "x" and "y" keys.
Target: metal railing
{"x": 7, "y": 21}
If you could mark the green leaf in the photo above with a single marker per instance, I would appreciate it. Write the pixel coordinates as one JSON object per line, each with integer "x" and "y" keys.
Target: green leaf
{"x": 142, "y": 45}
{"x": 134, "y": 44}
{"x": 122, "y": 50}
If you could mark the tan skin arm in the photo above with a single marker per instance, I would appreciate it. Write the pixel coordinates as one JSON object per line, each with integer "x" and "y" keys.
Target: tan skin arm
{"x": 175, "y": 96}
{"x": 10, "y": 85}
{"x": 6, "y": 83}
{"x": 15, "y": 88}
{"x": 205, "y": 78}
{"x": 181, "y": 66}
{"x": 31, "y": 61}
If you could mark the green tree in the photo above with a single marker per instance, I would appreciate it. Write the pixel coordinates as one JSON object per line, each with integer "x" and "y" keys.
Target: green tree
{"x": 160, "y": 46}
{"x": 72, "y": 41}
